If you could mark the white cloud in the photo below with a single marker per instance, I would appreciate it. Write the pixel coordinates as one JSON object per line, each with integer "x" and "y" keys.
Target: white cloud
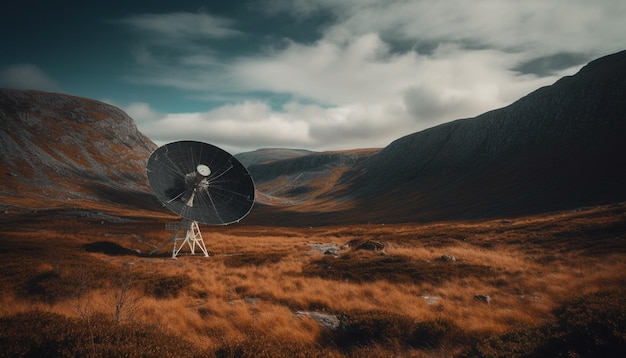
{"x": 244, "y": 126}
{"x": 142, "y": 113}
{"x": 27, "y": 76}
{"x": 366, "y": 89}
{"x": 539, "y": 26}
{"x": 374, "y": 96}
{"x": 251, "y": 125}
{"x": 359, "y": 70}
{"x": 183, "y": 25}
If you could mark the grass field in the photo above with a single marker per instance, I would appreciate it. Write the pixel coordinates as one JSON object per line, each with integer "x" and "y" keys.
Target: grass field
{"x": 545, "y": 285}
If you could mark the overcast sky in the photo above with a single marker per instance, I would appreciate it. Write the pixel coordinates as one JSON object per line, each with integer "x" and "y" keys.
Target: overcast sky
{"x": 312, "y": 74}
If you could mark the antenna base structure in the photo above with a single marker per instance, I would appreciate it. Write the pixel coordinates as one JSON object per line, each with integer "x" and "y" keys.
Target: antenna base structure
{"x": 191, "y": 237}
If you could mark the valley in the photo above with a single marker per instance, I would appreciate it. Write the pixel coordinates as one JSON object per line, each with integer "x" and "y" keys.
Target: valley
{"x": 498, "y": 235}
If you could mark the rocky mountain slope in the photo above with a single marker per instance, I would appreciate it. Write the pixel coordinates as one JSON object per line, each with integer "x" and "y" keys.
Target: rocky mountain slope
{"x": 65, "y": 151}
{"x": 560, "y": 147}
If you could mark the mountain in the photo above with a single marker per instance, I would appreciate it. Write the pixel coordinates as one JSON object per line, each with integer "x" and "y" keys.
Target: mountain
{"x": 65, "y": 151}
{"x": 267, "y": 155}
{"x": 561, "y": 147}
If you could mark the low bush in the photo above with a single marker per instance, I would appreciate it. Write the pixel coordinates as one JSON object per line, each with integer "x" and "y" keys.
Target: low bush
{"x": 369, "y": 267}
{"x": 258, "y": 346}
{"x": 44, "y": 334}
{"x": 252, "y": 259}
{"x": 364, "y": 328}
{"x": 165, "y": 286}
{"x": 590, "y": 326}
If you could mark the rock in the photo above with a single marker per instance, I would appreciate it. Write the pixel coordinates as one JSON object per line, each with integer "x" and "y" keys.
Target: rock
{"x": 431, "y": 300}
{"x": 483, "y": 298}
{"x": 329, "y": 321}
{"x": 371, "y": 245}
{"x": 326, "y": 249}
{"x": 447, "y": 258}
{"x": 527, "y": 298}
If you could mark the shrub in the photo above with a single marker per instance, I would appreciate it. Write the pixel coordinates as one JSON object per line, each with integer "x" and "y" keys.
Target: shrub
{"x": 166, "y": 286}
{"x": 369, "y": 267}
{"x": 39, "y": 334}
{"x": 364, "y": 328}
{"x": 50, "y": 286}
{"x": 255, "y": 347}
{"x": 594, "y": 325}
{"x": 590, "y": 326}
{"x": 252, "y": 259}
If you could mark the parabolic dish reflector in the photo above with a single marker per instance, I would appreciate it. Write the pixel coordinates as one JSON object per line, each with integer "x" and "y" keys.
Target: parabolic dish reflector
{"x": 201, "y": 182}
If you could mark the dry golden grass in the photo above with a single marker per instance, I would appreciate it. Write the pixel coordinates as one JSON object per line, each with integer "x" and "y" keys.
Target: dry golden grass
{"x": 245, "y": 299}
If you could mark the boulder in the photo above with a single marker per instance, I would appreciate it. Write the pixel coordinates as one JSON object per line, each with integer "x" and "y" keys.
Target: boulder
{"x": 447, "y": 258}
{"x": 371, "y": 245}
{"x": 483, "y": 298}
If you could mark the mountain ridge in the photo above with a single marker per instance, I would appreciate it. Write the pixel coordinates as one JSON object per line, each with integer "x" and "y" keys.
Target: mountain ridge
{"x": 553, "y": 145}
{"x": 267, "y": 155}
{"x": 65, "y": 150}
{"x": 557, "y": 148}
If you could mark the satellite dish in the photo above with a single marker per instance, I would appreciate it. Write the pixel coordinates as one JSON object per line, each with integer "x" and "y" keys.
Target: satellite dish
{"x": 201, "y": 183}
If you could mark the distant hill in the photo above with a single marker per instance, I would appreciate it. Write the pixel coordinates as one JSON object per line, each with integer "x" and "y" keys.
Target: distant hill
{"x": 305, "y": 179}
{"x": 561, "y": 147}
{"x": 61, "y": 150}
{"x": 267, "y": 155}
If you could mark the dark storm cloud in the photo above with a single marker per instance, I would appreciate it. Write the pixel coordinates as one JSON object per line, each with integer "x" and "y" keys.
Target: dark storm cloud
{"x": 548, "y": 65}
{"x": 27, "y": 76}
{"x": 423, "y": 104}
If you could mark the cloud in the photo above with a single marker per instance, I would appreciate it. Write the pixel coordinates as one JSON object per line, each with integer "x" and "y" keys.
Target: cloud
{"x": 238, "y": 127}
{"x": 549, "y": 65}
{"x": 540, "y": 27}
{"x": 379, "y": 70}
{"x": 183, "y": 25}
{"x": 142, "y": 112}
{"x": 171, "y": 47}
{"x": 251, "y": 125}
{"x": 361, "y": 69}
{"x": 28, "y": 77}
{"x": 450, "y": 83}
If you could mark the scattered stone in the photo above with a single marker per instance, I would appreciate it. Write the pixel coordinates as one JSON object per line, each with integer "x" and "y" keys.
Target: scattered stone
{"x": 371, "y": 245}
{"x": 329, "y": 321}
{"x": 527, "y": 298}
{"x": 250, "y": 300}
{"x": 483, "y": 298}
{"x": 431, "y": 300}
{"x": 325, "y": 249}
{"x": 447, "y": 258}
